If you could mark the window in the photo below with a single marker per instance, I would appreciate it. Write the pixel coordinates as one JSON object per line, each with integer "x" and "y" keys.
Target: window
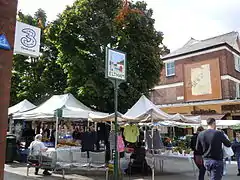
{"x": 170, "y": 69}
{"x": 237, "y": 90}
{"x": 237, "y": 63}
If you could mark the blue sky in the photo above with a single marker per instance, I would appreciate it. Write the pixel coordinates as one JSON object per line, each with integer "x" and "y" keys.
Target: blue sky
{"x": 179, "y": 20}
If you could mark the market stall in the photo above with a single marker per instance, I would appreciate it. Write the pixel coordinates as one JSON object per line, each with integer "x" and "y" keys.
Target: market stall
{"x": 144, "y": 110}
{"x": 59, "y": 108}
{"x": 223, "y": 123}
{"x": 23, "y": 106}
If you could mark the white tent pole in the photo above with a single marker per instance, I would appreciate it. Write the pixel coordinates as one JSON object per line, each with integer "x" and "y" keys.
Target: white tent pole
{"x": 56, "y": 138}
{"x": 152, "y": 127}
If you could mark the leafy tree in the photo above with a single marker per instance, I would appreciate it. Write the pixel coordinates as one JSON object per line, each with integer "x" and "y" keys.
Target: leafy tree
{"x": 37, "y": 78}
{"x": 81, "y": 34}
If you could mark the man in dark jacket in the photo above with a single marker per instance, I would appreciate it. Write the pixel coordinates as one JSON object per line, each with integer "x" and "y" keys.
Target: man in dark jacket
{"x": 209, "y": 144}
{"x": 197, "y": 155}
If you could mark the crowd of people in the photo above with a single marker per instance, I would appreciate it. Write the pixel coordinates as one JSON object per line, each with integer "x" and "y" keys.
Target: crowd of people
{"x": 212, "y": 148}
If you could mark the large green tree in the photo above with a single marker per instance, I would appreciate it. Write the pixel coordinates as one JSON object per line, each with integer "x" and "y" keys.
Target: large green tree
{"x": 82, "y": 32}
{"x": 36, "y": 79}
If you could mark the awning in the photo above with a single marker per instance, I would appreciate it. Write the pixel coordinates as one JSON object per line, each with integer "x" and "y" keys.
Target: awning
{"x": 215, "y": 116}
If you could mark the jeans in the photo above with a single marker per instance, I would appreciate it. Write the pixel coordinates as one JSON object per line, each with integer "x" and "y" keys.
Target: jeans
{"x": 200, "y": 165}
{"x": 215, "y": 168}
{"x": 238, "y": 159}
{"x": 224, "y": 166}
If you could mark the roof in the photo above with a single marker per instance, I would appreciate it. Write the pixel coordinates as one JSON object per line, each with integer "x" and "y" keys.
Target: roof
{"x": 71, "y": 108}
{"x": 194, "y": 45}
{"x": 24, "y": 105}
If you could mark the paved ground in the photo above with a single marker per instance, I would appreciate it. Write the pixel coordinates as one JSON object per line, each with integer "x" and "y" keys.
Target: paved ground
{"x": 172, "y": 170}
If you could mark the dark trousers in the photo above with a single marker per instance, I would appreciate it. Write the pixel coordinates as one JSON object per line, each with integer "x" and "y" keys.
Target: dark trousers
{"x": 238, "y": 159}
{"x": 45, "y": 160}
{"x": 215, "y": 168}
{"x": 199, "y": 163}
{"x": 107, "y": 145}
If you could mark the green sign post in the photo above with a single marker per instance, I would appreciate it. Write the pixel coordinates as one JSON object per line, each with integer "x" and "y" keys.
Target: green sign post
{"x": 115, "y": 71}
{"x": 58, "y": 114}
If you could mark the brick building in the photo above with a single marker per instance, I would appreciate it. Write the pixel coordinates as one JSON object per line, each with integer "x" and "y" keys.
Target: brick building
{"x": 202, "y": 78}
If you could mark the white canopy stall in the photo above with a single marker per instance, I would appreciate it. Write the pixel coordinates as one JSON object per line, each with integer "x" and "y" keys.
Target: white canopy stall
{"x": 70, "y": 106}
{"x": 23, "y": 106}
{"x": 223, "y": 123}
{"x": 145, "y": 109}
{"x": 109, "y": 117}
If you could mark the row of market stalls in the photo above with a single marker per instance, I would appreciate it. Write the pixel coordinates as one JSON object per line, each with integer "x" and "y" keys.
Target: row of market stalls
{"x": 73, "y": 110}
{"x": 143, "y": 111}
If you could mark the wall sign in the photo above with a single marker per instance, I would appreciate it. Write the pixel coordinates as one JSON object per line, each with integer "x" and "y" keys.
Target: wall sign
{"x": 203, "y": 112}
{"x": 115, "y": 64}
{"x": 233, "y": 108}
{"x": 4, "y": 44}
{"x": 27, "y": 40}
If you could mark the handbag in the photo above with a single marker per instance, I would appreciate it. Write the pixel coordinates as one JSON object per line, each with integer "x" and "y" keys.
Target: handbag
{"x": 227, "y": 152}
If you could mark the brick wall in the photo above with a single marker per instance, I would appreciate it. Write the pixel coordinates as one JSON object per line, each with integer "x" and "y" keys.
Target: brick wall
{"x": 8, "y": 9}
{"x": 228, "y": 89}
{"x": 168, "y": 95}
{"x": 227, "y": 67}
{"x": 226, "y": 62}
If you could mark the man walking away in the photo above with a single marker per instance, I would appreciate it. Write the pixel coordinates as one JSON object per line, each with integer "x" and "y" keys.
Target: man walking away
{"x": 209, "y": 144}
{"x": 197, "y": 155}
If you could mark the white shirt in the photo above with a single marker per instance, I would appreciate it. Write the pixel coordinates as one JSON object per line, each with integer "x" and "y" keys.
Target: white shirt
{"x": 36, "y": 147}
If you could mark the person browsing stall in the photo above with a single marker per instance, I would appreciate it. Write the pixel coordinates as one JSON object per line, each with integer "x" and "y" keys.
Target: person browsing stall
{"x": 197, "y": 155}
{"x": 37, "y": 148}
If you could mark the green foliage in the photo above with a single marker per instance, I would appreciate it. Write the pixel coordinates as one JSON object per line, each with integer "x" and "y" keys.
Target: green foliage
{"x": 73, "y": 55}
{"x": 81, "y": 34}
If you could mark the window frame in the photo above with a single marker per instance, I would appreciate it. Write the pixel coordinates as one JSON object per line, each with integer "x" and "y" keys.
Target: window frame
{"x": 237, "y": 90}
{"x": 237, "y": 63}
{"x": 171, "y": 68}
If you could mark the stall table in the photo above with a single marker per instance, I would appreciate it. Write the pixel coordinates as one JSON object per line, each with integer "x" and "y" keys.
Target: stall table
{"x": 160, "y": 158}
{"x": 50, "y": 152}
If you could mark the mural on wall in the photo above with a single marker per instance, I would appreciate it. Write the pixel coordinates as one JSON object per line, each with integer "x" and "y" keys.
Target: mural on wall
{"x": 201, "y": 80}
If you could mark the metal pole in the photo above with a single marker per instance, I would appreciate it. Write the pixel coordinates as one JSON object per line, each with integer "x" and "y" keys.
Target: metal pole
{"x": 56, "y": 138}
{"x": 152, "y": 129}
{"x": 8, "y": 10}
{"x": 116, "y": 129}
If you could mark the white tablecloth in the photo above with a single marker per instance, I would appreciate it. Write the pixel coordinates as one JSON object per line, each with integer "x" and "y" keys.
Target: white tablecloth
{"x": 160, "y": 158}
{"x": 50, "y": 152}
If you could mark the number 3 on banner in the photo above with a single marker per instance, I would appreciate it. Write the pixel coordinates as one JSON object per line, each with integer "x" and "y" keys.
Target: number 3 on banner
{"x": 29, "y": 40}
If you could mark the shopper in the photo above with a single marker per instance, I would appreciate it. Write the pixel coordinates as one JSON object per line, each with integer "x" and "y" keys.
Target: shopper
{"x": 209, "y": 144}
{"x": 236, "y": 150}
{"x": 37, "y": 148}
{"x": 197, "y": 155}
{"x": 225, "y": 156}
